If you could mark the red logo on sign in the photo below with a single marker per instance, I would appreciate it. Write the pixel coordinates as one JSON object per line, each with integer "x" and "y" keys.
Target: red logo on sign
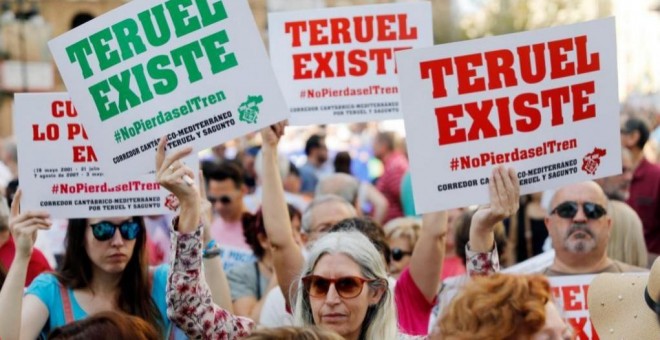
{"x": 171, "y": 202}
{"x": 591, "y": 161}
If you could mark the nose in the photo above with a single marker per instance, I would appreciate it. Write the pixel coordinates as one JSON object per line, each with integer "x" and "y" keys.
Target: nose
{"x": 580, "y": 216}
{"x": 332, "y": 298}
{"x": 117, "y": 240}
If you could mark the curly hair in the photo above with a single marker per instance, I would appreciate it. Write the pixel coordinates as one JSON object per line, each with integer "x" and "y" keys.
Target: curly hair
{"x": 106, "y": 325}
{"x": 497, "y": 307}
{"x": 253, "y": 225}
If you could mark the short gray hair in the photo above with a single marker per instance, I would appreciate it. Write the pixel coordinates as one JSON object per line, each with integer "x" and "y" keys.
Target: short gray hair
{"x": 308, "y": 219}
{"x": 340, "y": 184}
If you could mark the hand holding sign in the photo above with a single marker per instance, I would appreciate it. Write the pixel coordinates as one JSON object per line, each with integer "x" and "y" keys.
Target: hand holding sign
{"x": 271, "y": 135}
{"x": 504, "y": 189}
{"x": 24, "y": 226}
{"x": 170, "y": 174}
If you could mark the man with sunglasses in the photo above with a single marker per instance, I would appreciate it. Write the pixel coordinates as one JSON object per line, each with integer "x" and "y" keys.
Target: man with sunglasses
{"x": 578, "y": 224}
{"x": 225, "y": 193}
{"x": 580, "y": 228}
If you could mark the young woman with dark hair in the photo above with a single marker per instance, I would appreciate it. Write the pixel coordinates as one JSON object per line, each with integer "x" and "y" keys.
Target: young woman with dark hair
{"x": 105, "y": 268}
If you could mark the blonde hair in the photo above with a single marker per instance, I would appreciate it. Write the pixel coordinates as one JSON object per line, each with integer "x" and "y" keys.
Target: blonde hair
{"x": 380, "y": 321}
{"x": 403, "y": 227}
{"x": 626, "y": 242}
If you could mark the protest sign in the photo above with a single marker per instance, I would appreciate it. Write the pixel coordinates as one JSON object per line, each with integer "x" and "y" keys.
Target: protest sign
{"x": 544, "y": 102}
{"x": 336, "y": 65}
{"x": 570, "y": 294}
{"x": 59, "y": 169}
{"x": 195, "y": 71}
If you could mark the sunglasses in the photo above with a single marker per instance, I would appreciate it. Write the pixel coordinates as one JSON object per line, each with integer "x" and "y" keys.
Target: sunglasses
{"x": 592, "y": 211}
{"x": 347, "y": 287}
{"x": 398, "y": 254}
{"x": 224, "y": 199}
{"x": 105, "y": 230}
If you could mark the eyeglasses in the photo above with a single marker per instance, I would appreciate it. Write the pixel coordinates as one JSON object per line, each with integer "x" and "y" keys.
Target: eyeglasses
{"x": 224, "y": 199}
{"x": 105, "y": 230}
{"x": 592, "y": 211}
{"x": 347, "y": 287}
{"x": 398, "y": 254}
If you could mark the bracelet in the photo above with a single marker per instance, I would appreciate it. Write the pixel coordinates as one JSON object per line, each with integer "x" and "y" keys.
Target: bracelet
{"x": 211, "y": 253}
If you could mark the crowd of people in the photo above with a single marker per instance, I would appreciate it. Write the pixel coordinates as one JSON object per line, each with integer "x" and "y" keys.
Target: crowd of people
{"x": 261, "y": 248}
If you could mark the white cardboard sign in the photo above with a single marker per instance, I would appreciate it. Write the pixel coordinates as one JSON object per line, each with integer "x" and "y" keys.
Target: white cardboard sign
{"x": 58, "y": 167}
{"x": 543, "y": 102}
{"x": 336, "y": 65}
{"x": 195, "y": 71}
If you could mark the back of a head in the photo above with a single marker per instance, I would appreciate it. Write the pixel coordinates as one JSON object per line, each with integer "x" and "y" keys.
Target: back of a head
{"x": 626, "y": 242}
{"x": 294, "y": 333}
{"x": 638, "y": 125}
{"x": 340, "y": 184}
{"x": 388, "y": 139}
{"x": 343, "y": 162}
{"x": 106, "y": 325}
{"x": 319, "y": 202}
{"x": 500, "y": 306}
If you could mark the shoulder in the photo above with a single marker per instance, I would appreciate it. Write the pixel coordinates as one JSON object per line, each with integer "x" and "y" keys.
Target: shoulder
{"x": 45, "y": 286}
{"x": 626, "y": 268}
{"x": 242, "y": 271}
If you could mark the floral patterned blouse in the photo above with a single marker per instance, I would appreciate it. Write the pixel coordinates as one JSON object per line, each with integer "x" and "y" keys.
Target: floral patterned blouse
{"x": 189, "y": 303}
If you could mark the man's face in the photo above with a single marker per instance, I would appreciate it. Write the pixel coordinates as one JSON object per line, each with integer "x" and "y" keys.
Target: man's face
{"x": 324, "y": 216}
{"x": 226, "y": 198}
{"x": 321, "y": 153}
{"x": 576, "y": 223}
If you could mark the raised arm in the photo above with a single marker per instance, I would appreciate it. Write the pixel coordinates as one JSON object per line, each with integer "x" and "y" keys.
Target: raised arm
{"x": 189, "y": 302}
{"x": 504, "y": 190}
{"x": 428, "y": 255}
{"x": 24, "y": 227}
{"x": 287, "y": 255}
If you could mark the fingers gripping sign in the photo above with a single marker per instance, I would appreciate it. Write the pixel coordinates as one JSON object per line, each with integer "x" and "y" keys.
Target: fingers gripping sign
{"x": 271, "y": 135}
{"x": 174, "y": 175}
{"x": 24, "y": 226}
{"x": 504, "y": 192}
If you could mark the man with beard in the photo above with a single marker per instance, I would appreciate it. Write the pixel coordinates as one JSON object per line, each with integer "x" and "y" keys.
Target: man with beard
{"x": 580, "y": 227}
{"x": 578, "y": 224}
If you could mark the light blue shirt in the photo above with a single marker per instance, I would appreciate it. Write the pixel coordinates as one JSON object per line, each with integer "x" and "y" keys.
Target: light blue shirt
{"x": 46, "y": 287}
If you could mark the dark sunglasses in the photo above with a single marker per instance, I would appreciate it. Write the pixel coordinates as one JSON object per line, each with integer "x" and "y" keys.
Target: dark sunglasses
{"x": 592, "y": 211}
{"x": 398, "y": 254}
{"x": 224, "y": 199}
{"x": 347, "y": 287}
{"x": 105, "y": 230}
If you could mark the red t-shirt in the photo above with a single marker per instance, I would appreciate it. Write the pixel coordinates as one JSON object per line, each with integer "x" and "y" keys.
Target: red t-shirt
{"x": 37, "y": 265}
{"x": 413, "y": 310}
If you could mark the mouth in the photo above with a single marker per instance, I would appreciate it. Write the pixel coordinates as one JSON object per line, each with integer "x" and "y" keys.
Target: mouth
{"x": 117, "y": 257}
{"x": 334, "y": 318}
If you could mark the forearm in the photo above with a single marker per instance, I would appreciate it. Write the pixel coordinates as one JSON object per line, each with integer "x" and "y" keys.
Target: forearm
{"x": 287, "y": 255}
{"x": 189, "y": 301}
{"x": 430, "y": 249}
{"x": 11, "y": 298}
{"x": 218, "y": 284}
{"x": 482, "y": 236}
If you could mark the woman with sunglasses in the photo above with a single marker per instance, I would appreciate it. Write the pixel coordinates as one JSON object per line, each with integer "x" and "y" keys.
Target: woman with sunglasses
{"x": 105, "y": 268}
{"x": 402, "y": 234}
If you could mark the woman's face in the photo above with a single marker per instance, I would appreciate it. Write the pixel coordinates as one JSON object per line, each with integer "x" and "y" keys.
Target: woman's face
{"x": 555, "y": 328}
{"x": 342, "y": 315}
{"x": 404, "y": 252}
{"x": 110, "y": 256}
